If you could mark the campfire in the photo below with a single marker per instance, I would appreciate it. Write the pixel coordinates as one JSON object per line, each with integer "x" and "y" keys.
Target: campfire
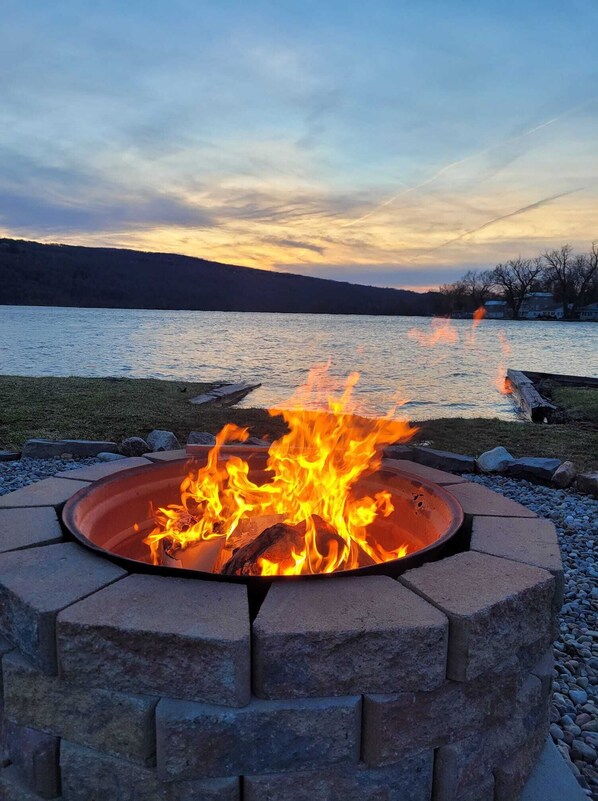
{"x": 317, "y": 501}
{"x": 302, "y": 516}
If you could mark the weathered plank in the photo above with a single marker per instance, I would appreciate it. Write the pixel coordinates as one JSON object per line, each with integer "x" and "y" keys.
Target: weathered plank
{"x": 537, "y": 408}
{"x": 224, "y": 395}
{"x": 563, "y": 379}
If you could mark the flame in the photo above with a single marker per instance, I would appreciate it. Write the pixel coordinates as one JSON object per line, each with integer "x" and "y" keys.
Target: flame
{"x": 312, "y": 470}
{"x": 502, "y": 383}
{"x": 478, "y": 316}
{"x": 443, "y": 332}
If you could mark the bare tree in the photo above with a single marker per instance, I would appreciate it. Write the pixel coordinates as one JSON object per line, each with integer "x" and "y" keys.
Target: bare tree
{"x": 455, "y": 294}
{"x": 478, "y": 285}
{"x": 515, "y": 279}
{"x": 583, "y": 279}
{"x": 558, "y": 265}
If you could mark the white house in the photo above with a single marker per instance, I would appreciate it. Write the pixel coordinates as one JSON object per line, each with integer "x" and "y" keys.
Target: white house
{"x": 589, "y": 312}
{"x": 495, "y": 309}
{"x": 540, "y": 304}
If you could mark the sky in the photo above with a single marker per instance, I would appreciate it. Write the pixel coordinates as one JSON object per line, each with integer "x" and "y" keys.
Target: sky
{"x": 391, "y": 142}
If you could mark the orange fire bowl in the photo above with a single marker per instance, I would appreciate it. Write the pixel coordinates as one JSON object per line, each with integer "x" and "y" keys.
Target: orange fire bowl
{"x": 112, "y": 516}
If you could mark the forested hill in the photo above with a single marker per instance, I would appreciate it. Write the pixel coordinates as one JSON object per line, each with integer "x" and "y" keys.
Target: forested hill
{"x": 63, "y": 275}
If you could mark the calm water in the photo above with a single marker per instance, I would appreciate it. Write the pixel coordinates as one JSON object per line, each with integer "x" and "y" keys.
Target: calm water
{"x": 447, "y": 379}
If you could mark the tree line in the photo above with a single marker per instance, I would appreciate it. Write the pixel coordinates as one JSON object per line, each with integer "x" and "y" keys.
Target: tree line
{"x": 32, "y": 273}
{"x": 571, "y": 277}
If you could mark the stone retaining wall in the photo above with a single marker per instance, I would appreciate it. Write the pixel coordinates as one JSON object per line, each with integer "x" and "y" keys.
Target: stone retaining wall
{"x": 432, "y": 687}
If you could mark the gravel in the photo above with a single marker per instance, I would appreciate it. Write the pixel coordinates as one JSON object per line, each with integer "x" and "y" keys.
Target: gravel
{"x": 574, "y": 710}
{"x": 19, "y": 473}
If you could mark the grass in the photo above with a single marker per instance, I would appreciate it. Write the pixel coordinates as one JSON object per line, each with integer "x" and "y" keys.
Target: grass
{"x": 575, "y": 442}
{"x": 111, "y": 409}
{"x": 108, "y": 408}
{"x": 580, "y": 403}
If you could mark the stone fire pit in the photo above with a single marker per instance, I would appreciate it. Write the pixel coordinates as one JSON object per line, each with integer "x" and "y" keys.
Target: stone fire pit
{"x": 431, "y": 687}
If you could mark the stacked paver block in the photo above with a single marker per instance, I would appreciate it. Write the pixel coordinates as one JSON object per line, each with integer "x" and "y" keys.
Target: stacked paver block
{"x": 433, "y": 687}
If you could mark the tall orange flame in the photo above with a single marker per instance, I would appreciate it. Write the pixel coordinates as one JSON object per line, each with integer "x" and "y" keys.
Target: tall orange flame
{"x": 312, "y": 470}
{"x": 502, "y": 383}
{"x": 443, "y": 332}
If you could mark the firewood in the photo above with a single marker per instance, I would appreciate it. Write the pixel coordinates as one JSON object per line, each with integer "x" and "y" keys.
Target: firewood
{"x": 276, "y": 544}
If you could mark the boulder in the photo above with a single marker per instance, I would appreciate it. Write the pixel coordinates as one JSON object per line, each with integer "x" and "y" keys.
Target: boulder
{"x": 9, "y": 456}
{"x": 134, "y": 446}
{"x": 443, "y": 460}
{"x": 159, "y": 440}
{"x": 564, "y": 475}
{"x": 201, "y": 438}
{"x": 110, "y": 457}
{"x": 494, "y": 461}
{"x": 588, "y": 483}
{"x": 65, "y": 448}
{"x": 532, "y": 468}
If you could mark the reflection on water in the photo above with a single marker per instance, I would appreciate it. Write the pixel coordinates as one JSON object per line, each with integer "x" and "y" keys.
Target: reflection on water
{"x": 433, "y": 376}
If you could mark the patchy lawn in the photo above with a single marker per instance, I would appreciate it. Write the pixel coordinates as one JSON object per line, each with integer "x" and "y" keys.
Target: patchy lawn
{"x": 111, "y": 409}
{"x": 579, "y": 403}
{"x": 576, "y": 442}
{"x": 114, "y": 408}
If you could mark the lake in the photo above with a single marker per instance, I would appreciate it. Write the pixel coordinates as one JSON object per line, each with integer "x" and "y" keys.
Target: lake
{"x": 437, "y": 369}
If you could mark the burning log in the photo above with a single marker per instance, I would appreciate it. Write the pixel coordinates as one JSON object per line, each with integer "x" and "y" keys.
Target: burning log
{"x": 277, "y": 544}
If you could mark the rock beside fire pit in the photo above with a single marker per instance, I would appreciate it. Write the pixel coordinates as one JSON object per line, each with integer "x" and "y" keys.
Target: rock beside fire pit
{"x": 494, "y": 461}
{"x": 443, "y": 460}
{"x": 201, "y": 438}
{"x": 63, "y": 448}
{"x": 534, "y": 468}
{"x": 134, "y": 446}
{"x": 159, "y": 440}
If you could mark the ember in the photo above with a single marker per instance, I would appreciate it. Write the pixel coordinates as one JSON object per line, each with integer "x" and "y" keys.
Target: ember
{"x": 312, "y": 520}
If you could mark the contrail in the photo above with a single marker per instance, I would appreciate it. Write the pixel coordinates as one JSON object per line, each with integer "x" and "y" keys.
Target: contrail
{"x": 523, "y": 209}
{"x": 472, "y": 156}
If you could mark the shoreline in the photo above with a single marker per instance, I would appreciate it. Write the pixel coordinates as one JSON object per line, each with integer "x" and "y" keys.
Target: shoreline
{"x": 116, "y": 408}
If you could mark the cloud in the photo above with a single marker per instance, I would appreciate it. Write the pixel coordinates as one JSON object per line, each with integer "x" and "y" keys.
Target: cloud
{"x": 293, "y": 243}
{"x": 491, "y": 150}
{"x": 46, "y": 214}
{"x": 330, "y": 143}
{"x": 536, "y": 205}
{"x": 389, "y": 275}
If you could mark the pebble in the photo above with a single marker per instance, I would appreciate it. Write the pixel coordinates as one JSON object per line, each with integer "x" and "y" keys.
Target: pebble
{"x": 21, "y": 472}
{"x": 574, "y": 710}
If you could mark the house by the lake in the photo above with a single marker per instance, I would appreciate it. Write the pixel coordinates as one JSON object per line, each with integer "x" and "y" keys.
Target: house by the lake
{"x": 541, "y": 305}
{"x": 589, "y": 313}
{"x": 496, "y": 309}
{"x": 536, "y": 306}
